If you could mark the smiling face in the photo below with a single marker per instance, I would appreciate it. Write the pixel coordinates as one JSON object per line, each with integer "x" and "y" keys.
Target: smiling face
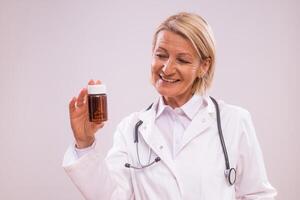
{"x": 175, "y": 66}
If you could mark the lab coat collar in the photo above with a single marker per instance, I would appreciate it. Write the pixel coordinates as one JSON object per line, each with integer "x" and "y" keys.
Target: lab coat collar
{"x": 210, "y": 105}
{"x": 149, "y": 115}
{"x": 153, "y": 112}
{"x": 149, "y": 132}
{"x": 203, "y": 120}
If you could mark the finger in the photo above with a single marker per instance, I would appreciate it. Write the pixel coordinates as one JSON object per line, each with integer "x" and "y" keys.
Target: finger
{"x": 98, "y": 82}
{"x": 91, "y": 82}
{"x": 81, "y": 97}
{"x": 85, "y": 97}
{"x": 100, "y": 125}
{"x": 96, "y": 126}
{"x": 72, "y": 107}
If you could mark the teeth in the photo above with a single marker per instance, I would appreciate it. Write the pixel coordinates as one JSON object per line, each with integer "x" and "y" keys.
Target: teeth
{"x": 168, "y": 80}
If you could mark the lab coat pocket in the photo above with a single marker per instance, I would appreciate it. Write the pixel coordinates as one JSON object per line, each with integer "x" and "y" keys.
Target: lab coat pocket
{"x": 215, "y": 183}
{"x": 156, "y": 181}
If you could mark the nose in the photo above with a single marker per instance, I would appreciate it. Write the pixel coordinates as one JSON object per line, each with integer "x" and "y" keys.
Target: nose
{"x": 168, "y": 67}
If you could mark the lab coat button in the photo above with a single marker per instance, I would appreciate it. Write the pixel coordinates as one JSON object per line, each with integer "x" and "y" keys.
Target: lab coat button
{"x": 161, "y": 147}
{"x": 203, "y": 120}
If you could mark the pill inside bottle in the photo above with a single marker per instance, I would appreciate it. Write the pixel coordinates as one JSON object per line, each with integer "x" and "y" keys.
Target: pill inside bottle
{"x": 97, "y": 103}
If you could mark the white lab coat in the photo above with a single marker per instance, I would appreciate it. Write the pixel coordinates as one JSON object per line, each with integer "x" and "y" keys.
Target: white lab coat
{"x": 197, "y": 172}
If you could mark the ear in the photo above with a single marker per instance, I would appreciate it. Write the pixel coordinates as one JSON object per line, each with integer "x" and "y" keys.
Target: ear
{"x": 204, "y": 67}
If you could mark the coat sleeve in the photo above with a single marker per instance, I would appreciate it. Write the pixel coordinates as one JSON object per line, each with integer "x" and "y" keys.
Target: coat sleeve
{"x": 252, "y": 182}
{"x": 99, "y": 178}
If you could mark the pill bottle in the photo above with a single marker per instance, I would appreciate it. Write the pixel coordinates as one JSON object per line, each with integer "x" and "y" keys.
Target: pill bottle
{"x": 97, "y": 103}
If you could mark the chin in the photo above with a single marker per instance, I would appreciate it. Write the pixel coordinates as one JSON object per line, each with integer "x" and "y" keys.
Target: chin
{"x": 166, "y": 92}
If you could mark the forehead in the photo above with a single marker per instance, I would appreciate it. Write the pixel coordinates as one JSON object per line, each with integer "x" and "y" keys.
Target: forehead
{"x": 171, "y": 41}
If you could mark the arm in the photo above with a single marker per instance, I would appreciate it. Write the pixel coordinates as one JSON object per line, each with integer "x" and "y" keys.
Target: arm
{"x": 95, "y": 177}
{"x": 99, "y": 178}
{"x": 252, "y": 182}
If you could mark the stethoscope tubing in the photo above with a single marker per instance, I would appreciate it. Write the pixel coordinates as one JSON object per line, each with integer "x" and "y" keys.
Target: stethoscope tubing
{"x": 230, "y": 173}
{"x": 221, "y": 133}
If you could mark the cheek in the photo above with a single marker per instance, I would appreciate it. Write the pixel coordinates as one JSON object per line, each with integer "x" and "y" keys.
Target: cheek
{"x": 155, "y": 68}
{"x": 154, "y": 73}
{"x": 190, "y": 77}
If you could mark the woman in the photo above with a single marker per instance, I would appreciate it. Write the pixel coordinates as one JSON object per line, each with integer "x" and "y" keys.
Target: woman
{"x": 178, "y": 154}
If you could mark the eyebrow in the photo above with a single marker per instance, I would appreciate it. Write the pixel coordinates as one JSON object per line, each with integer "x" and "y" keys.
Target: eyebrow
{"x": 181, "y": 54}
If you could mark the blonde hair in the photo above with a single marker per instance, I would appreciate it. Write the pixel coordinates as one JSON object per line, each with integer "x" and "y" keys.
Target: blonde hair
{"x": 198, "y": 32}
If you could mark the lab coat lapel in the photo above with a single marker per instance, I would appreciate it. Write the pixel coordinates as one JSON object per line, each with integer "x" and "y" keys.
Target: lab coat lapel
{"x": 203, "y": 120}
{"x": 154, "y": 138}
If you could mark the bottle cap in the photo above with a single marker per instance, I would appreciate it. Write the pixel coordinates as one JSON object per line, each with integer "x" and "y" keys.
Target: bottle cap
{"x": 96, "y": 89}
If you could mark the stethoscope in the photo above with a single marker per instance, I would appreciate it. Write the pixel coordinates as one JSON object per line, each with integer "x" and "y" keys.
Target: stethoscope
{"x": 230, "y": 173}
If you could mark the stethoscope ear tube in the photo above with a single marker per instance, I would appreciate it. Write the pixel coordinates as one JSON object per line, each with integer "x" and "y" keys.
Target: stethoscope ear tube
{"x": 136, "y": 131}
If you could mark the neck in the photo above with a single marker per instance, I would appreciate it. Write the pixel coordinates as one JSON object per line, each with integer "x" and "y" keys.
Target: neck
{"x": 176, "y": 102}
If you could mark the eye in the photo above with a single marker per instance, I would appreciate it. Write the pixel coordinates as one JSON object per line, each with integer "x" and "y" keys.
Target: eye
{"x": 183, "y": 61}
{"x": 160, "y": 55}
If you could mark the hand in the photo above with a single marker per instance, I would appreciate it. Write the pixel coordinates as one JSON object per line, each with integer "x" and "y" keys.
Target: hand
{"x": 83, "y": 130}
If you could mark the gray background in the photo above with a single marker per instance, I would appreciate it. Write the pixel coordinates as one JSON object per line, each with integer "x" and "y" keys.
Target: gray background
{"x": 50, "y": 49}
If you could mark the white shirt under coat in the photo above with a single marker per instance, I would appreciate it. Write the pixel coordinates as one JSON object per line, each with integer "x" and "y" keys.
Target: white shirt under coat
{"x": 192, "y": 161}
{"x": 172, "y": 123}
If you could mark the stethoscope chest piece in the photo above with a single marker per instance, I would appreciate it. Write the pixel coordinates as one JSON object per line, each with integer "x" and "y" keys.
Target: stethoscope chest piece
{"x": 230, "y": 175}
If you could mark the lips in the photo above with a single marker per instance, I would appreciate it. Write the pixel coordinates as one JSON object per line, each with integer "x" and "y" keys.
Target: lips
{"x": 168, "y": 80}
